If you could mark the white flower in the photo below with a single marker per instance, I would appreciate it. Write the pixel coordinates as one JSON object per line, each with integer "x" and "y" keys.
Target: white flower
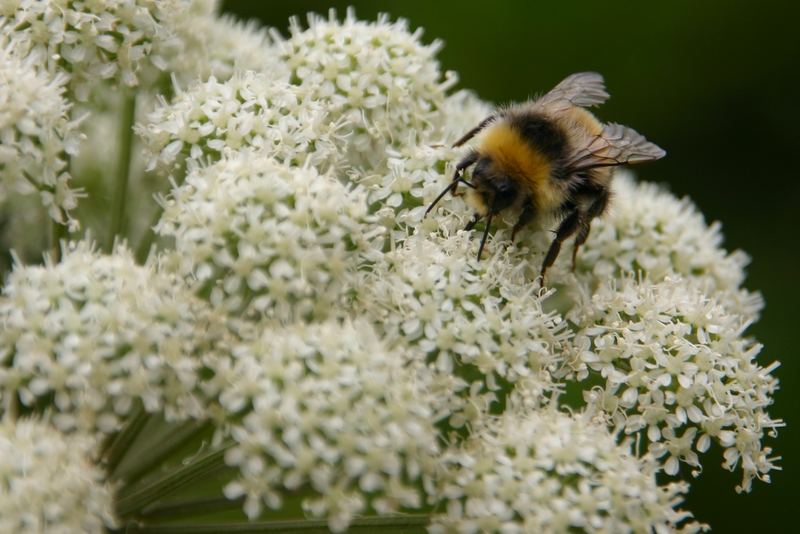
{"x": 92, "y": 40}
{"x": 265, "y": 238}
{"x": 378, "y": 76}
{"x": 548, "y": 471}
{"x": 94, "y": 334}
{"x": 677, "y": 364}
{"x": 251, "y": 110}
{"x": 219, "y": 46}
{"x": 649, "y": 230}
{"x": 47, "y": 483}
{"x": 326, "y": 406}
{"x": 36, "y": 133}
{"x": 483, "y": 322}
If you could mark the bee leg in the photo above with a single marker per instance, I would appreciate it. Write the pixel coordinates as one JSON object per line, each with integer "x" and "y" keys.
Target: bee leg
{"x": 485, "y": 234}
{"x": 567, "y": 227}
{"x": 596, "y": 209}
{"x": 580, "y": 239}
{"x": 471, "y": 224}
{"x": 524, "y": 218}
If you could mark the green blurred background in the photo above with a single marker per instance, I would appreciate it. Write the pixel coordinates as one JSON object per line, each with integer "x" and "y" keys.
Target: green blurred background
{"x": 716, "y": 84}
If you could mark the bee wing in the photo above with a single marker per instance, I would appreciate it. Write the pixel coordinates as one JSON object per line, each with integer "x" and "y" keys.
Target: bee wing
{"x": 580, "y": 89}
{"x": 617, "y": 145}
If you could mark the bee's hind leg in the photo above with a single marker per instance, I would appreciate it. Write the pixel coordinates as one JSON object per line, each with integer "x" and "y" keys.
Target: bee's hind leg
{"x": 595, "y": 210}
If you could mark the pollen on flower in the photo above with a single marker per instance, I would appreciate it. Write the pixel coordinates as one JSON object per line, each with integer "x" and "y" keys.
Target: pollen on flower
{"x": 326, "y": 405}
{"x": 94, "y": 334}
{"x": 48, "y": 483}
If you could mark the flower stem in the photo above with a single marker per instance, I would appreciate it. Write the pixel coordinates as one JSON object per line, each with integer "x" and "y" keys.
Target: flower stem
{"x": 407, "y": 524}
{"x": 117, "y": 445}
{"x": 58, "y": 232}
{"x": 174, "y": 439}
{"x": 139, "y": 498}
{"x": 143, "y": 248}
{"x": 188, "y": 508}
{"x": 125, "y": 138}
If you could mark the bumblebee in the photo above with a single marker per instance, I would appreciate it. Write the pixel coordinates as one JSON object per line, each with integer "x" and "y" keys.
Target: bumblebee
{"x": 549, "y": 158}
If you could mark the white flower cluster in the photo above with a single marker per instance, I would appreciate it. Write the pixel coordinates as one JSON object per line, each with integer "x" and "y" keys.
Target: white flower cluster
{"x": 249, "y": 111}
{"x": 267, "y": 239}
{"x": 327, "y": 405}
{"x": 649, "y": 230}
{"x": 378, "y": 76}
{"x": 48, "y": 484}
{"x": 93, "y": 40}
{"x": 219, "y": 46}
{"x": 348, "y": 351}
{"x": 676, "y": 366}
{"x": 444, "y": 307}
{"x": 548, "y": 471}
{"x": 36, "y": 133}
{"x": 92, "y": 335}
{"x": 415, "y": 174}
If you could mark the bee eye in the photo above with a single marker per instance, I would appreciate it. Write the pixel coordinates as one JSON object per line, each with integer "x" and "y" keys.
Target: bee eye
{"x": 505, "y": 191}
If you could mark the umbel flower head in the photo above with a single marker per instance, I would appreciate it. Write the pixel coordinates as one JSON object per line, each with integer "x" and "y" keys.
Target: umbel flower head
{"x": 327, "y": 406}
{"x": 91, "y": 40}
{"x": 48, "y": 483}
{"x": 249, "y": 111}
{"x": 219, "y": 45}
{"x": 265, "y": 238}
{"x": 648, "y": 230}
{"x": 548, "y": 471}
{"x": 431, "y": 297}
{"x": 675, "y": 365}
{"x": 378, "y": 76}
{"x": 36, "y": 134}
{"x": 92, "y": 335}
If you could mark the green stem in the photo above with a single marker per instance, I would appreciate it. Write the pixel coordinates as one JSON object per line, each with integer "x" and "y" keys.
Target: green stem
{"x": 174, "y": 440}
{"x": 58, "y": 232}
{"x": 189, "y": 508}
{"x": 146, "y": 242}
{"x": 134, "y": 500}
{"x": 117, "y": 445}
{"x": 405, "y": 524}
{"x": 125, "y": 138}
{"x": 149, "y": 236}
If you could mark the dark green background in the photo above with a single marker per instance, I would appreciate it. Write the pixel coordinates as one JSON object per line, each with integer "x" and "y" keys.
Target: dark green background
{"x": 716, "y": 84}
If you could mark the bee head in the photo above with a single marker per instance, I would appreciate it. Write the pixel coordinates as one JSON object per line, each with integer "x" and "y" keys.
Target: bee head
{"x": 497, "y": 190}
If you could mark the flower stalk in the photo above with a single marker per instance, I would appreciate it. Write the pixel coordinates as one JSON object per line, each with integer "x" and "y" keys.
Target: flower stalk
{"x": 120, "y": 188}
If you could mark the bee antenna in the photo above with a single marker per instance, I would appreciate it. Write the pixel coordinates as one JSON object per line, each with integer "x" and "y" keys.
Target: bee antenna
{"x": 441, "y": 196}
